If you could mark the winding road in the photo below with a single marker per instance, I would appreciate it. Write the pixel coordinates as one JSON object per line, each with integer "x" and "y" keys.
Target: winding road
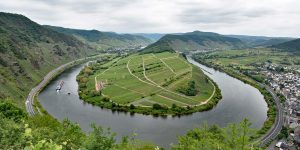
{"x": 29, "y": 103}
{"x": 30, "y": 99}
{"x": 277, "y": 126}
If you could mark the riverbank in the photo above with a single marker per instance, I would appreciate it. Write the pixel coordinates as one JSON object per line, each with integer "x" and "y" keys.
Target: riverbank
{"x": 272, "y": 112}
{"x": 32, "y": 104}
{"x": 87, "y": 80}
{"x": 239, "y": 101}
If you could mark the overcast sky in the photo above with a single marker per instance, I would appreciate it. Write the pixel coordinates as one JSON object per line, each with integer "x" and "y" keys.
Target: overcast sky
{"x": 251, "y": 17}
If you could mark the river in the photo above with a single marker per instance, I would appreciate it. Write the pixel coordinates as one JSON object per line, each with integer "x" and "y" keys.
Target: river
{"x": 239, "y": 101}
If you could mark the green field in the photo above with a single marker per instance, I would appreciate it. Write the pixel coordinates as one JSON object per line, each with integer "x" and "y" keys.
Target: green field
{"x": 143, "y": 80}
{"x": 252, "y": 58}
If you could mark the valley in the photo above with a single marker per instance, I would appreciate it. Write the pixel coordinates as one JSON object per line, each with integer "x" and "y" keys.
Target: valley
{"x": 106, "y": 84}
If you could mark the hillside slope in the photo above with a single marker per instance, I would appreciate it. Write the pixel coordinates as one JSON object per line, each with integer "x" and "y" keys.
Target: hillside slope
{"x": 152, "y": 36}
{"x": 28, "y": 51}
{"x": 261, "y": 41}
{"x": 104, "y": 40}
{"x": 290, "y": 46}
{"x": 193, "y": 41}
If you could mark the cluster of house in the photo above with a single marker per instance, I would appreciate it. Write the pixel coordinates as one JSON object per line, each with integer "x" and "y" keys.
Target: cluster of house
{"x": 288, "y": 84}
{"x": 125, "y": 49}
{"x": 99, "y": 86}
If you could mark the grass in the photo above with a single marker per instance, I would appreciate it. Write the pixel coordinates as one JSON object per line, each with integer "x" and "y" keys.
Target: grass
{"x": 143, "y": 80}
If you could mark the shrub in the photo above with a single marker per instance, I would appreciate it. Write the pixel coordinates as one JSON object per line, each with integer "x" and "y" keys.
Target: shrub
{"x": 105, "y": 99}
{"x": 132, "y": 106}
{"x": 156, "y": 106}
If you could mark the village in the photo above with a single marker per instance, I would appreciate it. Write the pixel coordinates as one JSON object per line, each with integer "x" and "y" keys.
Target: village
{"x": 286, "y": 81}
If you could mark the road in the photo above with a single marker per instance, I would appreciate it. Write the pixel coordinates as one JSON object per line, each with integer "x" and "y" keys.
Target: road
{"x": 276, "y": 128}
{"x": 30, "y": 98}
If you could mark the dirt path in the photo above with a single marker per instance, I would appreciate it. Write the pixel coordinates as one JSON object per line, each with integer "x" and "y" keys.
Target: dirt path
{"x": 135, "y": 75}
{"x": 161, "y": 86}
{"x": 173, "y": 100}
{"x": 165, "y": 64}
{"x": 211, "y": 96}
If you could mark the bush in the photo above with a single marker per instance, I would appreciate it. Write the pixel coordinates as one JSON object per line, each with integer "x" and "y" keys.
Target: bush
{"x": 105, "y": 99}
{"x": 132, "y": 106}
{"x": 12, "y": 112}
{"x": 189, "y": 90}
{"x": 156, "y": 106}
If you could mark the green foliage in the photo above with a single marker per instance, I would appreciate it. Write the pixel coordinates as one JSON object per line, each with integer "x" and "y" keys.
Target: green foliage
{"x": 99, "y": 139}
{"x": 157, "y": 106}
{"x": 157, "y": 47}
{"x": 44, "y": 145}
{"x": 281, "y": 97}
{"x": 284, "y": 133}
{"x": 132, "y": 106}
{"x": 258, "y": 78}
{"x": 289, "y": 46}
{"x": 28, "y": 51}
{"x": 8, "y": 110}
{"x": 103, "y": 40}
{"x": 193, "y": 41}
{"x": 232, "y": 137}
{"x": 45, "y": 132}
{"x": 189, "y": 90}
{"x": 11, "y": 134}
{"x": 247, "y": 79}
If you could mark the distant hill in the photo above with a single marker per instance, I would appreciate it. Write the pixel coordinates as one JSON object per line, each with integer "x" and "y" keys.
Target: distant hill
{"x": 290, "y": 46}
{"x": 104, "y": 40}
{"x": 261, "y": 41}
{"x": 152, "y": 36}
{"x": 28, "y": 51}
{"x": 193, "y": 41}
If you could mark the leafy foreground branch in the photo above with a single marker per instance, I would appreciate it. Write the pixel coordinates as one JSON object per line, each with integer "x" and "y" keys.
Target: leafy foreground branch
{"x": 232, "y": 137}
{"x": 17, "y": 131}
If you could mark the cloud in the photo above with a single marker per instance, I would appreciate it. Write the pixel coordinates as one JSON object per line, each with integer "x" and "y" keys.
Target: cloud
{"x": 255, "y": 17}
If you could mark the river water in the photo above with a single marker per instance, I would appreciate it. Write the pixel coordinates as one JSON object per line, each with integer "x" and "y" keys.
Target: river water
{"x": 239, "y": 101}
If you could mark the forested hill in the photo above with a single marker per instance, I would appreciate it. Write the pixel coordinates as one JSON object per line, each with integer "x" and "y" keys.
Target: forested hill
{"x": 104, "y": 40}
{"x": 261, "y": 41}
{"x": 196, "y": 40}
{"x": 152, "y": 36}
{"x": 290, "y": 46}
{"x": 29, "y": 50}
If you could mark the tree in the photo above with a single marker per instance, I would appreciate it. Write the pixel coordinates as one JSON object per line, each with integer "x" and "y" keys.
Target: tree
{"x": 131, "y": 106}
{"x": 44, "y": 145}
{"x": 11, "y": 134}
{"x": 232, "y": 137}
{"x": 99, "y": 139}
{"x": 245, "y": 132}
{"x": 11, "y": 112}
{"x": 156, "y": 106}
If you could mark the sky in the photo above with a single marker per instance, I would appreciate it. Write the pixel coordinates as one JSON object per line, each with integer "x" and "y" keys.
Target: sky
{"x": 246, "y": 17}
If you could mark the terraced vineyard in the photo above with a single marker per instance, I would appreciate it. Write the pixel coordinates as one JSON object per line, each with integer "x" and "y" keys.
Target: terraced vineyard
{"x": 144, "y": 80}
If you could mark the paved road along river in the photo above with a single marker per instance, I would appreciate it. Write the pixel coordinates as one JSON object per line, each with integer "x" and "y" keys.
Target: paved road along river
{"x": 239, "y": 101}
